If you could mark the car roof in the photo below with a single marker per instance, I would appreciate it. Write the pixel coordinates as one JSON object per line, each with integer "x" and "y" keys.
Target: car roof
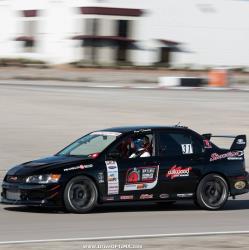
{"x": 127, "y": 129}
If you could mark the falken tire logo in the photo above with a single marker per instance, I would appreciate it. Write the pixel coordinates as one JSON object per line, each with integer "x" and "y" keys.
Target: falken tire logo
{"x": 175, "y": 172}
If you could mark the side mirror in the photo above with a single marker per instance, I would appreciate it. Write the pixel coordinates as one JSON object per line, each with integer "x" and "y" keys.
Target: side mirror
{"x": 113, "y": 155}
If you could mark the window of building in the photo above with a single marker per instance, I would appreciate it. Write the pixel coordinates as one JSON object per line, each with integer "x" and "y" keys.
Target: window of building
{"x": 123, "y": 28}
{"x": 29, "y": 30}
{"x": 91, "y": 26}
{"x": 165, "y": 55}
{"x": 122, "y": 46}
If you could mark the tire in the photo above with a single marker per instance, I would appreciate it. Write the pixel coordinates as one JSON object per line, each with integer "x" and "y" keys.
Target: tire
{"x": 80, "y": 195}
{"x": 212, "y": 192}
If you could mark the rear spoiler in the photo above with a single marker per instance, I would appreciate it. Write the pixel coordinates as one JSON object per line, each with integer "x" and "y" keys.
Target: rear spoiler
{"x": 239, "y": 142}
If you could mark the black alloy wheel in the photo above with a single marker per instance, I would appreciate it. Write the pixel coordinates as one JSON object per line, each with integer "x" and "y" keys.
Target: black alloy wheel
{"x": 80, "y": 195}
{"x": 212, "y": 192}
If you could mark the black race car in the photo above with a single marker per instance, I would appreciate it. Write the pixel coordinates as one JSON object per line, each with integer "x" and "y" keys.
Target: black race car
{"x": 160, "y": 164}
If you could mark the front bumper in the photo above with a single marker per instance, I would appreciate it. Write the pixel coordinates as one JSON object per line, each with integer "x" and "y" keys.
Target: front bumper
{"x": 31, "y": 194}
{"x": 239, "y": 184}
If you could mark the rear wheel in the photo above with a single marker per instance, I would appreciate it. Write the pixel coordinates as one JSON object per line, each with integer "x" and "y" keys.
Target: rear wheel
{"x": 212, "y": 192}
{"x": 80, "y": 195}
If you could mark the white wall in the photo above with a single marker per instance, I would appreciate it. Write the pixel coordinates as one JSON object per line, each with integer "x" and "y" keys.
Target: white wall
{"x": 214, "y": 32}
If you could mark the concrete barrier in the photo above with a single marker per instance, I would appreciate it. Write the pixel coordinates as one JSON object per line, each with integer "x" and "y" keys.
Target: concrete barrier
{"x": 174, "y": 81}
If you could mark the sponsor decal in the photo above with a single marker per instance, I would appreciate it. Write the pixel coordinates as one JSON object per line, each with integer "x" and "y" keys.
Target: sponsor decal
{"x": 143, "y": 130}
{"x": 148, "y": 174}
{"x": 112, "y": 166}
{"x": 113, "y": 188}
{"x": 86, "y": 166}
{"x": 207, "y": 144}
{"x": 141, "y": 174}
{"x": 130, "y": 187}
{"x": 101, "y": 177}
{"x": 185, "y": 195}
{"x": 235, "y": 158}
{"x": 108, "y": 198}
{"x": 141, "y": 186}
{"x": 175, "y": 172}
{"x": 82, "y": 167}
{"x": 94, "y": 156}
{"x": 106, "y": 133}
{"x": 112, "y": 177}
{"x": 133, "y": 177}
{"x": 164, "y": 196}
{"x": 146, "y": 196}
{"x": 126, "y": 197}
{"x": 230, "y": 156}
{"x": 141, "y": 178}
{"x": 187, "y": 149}
{"x": 240, "y": 142}
{"x": 240, "y": 185}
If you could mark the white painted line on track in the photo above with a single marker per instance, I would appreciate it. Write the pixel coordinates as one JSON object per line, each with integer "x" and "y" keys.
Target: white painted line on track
{"x": 126, "y": 237}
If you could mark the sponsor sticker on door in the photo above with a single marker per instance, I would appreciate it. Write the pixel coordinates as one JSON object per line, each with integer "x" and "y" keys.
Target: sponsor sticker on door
{"x": 112, "y": 177}
{"x": 178, "y": 171}
{"x": 141, "y": 178}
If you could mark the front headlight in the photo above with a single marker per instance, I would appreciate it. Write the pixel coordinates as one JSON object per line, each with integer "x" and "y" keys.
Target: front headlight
{"x": 43, "y": 179}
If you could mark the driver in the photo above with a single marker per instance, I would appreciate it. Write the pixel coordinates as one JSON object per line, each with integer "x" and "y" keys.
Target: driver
{"x": 139, "y": 146}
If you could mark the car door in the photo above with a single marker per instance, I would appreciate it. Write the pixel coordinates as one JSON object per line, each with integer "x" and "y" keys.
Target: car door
{"x": 137, "y": 177}
{"x": 181, "y": 157}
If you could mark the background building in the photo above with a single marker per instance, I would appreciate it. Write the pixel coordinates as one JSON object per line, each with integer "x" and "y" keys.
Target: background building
{"x": 168, "y": 32}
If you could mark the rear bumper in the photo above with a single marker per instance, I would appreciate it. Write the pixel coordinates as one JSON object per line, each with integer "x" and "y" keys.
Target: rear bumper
{"x": 239, "y": 184}
{"x": 31, "y": 194}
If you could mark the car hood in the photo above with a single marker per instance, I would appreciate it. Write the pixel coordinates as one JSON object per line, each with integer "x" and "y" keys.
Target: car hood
{"x": 46, "y": 165}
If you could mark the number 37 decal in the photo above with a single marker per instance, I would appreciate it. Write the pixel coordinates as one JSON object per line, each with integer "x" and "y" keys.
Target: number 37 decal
{"x": 187, "y": 149}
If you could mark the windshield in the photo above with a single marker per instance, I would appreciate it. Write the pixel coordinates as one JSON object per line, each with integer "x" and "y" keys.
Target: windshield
{"x": 90, "y": 144}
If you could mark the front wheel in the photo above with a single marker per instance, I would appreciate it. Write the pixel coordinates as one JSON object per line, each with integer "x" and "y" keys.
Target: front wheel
{"x": 80, "y": 195}
{"x": 212, "y": 192}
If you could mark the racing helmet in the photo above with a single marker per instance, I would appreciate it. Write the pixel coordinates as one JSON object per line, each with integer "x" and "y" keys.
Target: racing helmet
{"x": 139, "y": 144}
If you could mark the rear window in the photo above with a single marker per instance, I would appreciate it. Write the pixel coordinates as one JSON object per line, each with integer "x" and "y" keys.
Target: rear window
{"x": 177, "y": 144}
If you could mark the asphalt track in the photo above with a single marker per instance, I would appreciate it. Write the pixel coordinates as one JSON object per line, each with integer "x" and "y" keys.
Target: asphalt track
{"x": 38, "y": 121}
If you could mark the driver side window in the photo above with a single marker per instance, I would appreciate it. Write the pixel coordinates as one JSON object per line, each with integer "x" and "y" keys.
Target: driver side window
{"x": 133, "y": 146}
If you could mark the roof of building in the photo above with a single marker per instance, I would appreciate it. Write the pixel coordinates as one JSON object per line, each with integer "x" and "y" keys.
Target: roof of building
{"x": 94, "y": 10}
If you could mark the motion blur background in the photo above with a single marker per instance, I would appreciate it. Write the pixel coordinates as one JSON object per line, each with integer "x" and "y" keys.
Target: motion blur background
{"x": 176, "y": 33}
